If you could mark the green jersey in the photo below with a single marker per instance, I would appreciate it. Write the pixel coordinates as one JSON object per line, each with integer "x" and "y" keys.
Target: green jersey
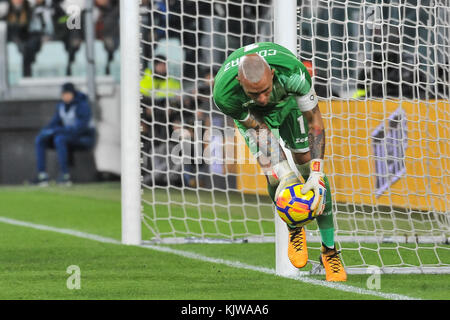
{"x": 291, "y": 80}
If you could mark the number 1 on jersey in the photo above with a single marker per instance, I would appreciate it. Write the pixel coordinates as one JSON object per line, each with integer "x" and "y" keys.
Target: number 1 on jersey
{"x": 302, "y": 124}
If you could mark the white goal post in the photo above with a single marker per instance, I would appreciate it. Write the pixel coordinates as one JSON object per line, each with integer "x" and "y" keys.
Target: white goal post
{"x": 381, "y": 69}
{"x": 285, "y": 18}
{"x": 130, "y": 122}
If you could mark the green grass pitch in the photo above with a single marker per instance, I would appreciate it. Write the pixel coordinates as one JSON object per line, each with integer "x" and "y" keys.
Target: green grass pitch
{"x": 33, "y": 263}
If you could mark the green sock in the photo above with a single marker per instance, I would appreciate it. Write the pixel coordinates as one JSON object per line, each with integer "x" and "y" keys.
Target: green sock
{"x": 327, "y": 236}
{"x": 325, "y": 220}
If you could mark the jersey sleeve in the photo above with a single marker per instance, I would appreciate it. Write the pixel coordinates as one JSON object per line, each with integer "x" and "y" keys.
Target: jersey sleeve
{"x": 299, "y": 83}
{"x": 231, "y": 107}
{"x": 227, "y": 98}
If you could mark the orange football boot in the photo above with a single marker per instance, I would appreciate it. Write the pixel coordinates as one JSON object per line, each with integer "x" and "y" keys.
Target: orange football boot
{"x": 297, "y": 250}
{"x": 334, "y": 270}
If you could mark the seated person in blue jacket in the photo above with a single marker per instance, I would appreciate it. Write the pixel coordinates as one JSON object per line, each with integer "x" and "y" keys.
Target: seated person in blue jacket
{"x": 71, "y": 128}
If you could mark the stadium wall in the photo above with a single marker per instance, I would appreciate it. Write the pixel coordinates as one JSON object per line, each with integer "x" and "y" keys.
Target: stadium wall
{"x": 31, "y": 105}
{"x": 20, "y": 122}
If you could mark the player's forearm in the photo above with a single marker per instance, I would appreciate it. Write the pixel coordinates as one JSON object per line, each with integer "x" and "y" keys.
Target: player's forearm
{"x": 270, "y": 152}
{"x": 270, "y": 155}
{"x": 316, "y": 133}
{"x": 316, "y": 137}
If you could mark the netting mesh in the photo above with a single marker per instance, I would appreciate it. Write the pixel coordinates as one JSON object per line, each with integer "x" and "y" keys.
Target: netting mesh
{"x": 190, "y": 157}
{"x": 381, "y": 70}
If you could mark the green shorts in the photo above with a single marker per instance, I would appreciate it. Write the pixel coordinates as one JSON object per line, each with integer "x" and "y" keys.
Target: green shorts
{"x": 287, "y": 122}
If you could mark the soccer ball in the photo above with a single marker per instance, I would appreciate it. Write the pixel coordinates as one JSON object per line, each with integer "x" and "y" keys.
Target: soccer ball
{"x": 293, "y": 207}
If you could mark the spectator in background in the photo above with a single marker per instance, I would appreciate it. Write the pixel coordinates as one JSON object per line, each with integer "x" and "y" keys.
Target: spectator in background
{"x": 40, "y": 29}
{"x": 158, "y": 80}
{"x": 160, "y": 95}
{"x": 197, "y": 104}
{"x": 164, "y": 88}
{"x": 107, "y": 26}
{"x": 18, "y": 20}
{"x": 42, "y": 19}
{"x": 28, "y": 27}
{"x": 4, "y": 6}
{"x": 72, "y": 38}
{"x": 71, "y": 128}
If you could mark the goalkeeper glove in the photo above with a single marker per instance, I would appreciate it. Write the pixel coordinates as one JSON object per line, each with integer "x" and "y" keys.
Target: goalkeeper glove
{"x": 316, "y": 183}
{"x": 285, "y": 175}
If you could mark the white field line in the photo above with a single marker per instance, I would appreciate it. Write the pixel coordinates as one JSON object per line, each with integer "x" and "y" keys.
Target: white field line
{"x": 195, "y": 256}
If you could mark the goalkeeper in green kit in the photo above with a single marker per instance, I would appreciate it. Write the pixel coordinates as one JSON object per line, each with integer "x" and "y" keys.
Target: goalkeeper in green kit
{"x": 269, "y": 94}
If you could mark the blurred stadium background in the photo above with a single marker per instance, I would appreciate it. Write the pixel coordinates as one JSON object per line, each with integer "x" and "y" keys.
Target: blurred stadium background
{"x": 43, "y": 45}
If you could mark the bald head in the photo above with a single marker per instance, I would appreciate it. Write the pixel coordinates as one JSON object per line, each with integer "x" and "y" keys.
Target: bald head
{"x": 255, "y": 77}
{"x": 252, "y": 68}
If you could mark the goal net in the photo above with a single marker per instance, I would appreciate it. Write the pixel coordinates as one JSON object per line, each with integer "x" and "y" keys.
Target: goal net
{"x": 381, "y": 70}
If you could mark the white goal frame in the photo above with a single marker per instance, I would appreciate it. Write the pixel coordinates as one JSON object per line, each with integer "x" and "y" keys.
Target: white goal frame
{"x": 285, "y": 33}
{"x": 130, "y": 122}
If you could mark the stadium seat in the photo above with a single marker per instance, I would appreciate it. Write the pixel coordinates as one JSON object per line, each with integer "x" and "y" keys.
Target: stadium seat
{"x": 15, "y": 63}
{"x": 79, "y": 67}
{"x": 51, "y": 61}
{"x": 115, "y": 65}
{"x": 79, "y": 64}
{"x": 173, "y": 51}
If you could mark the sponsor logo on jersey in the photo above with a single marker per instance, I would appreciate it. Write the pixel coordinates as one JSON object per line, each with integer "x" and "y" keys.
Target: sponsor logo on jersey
{"x": 301, "y": 140}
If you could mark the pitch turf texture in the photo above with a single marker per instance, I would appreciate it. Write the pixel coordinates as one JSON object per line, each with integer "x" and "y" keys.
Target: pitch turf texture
{"x": 34, "y": 262}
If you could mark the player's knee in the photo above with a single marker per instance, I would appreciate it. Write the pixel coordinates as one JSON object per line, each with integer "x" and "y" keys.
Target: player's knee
{"x": 59, "y": 140}
{"x": 40, "y": 140}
